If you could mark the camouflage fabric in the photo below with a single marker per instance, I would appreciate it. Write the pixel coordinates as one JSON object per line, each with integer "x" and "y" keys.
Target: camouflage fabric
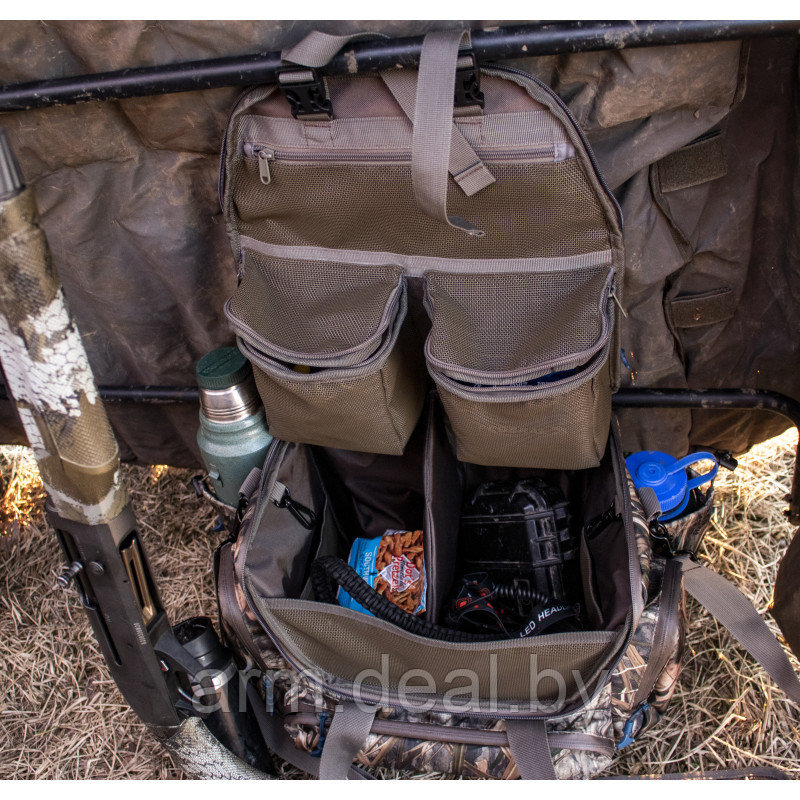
{"x": 287, "y": 692}
{"x": 642, "y": 532}
{"x": 628, "y": 674}
{"x": 688, "y": 530}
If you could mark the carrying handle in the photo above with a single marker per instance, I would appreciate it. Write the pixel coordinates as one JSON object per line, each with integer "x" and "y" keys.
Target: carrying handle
{"x": 433, "y": 126}
{"x": 693, "y": 458}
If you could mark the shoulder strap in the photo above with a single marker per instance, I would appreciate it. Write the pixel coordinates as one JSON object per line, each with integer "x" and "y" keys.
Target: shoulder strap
{"x": 725, "y": 602}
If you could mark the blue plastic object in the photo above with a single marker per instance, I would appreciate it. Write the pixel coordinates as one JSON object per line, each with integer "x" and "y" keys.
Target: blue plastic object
{"x": 667, "y": 477}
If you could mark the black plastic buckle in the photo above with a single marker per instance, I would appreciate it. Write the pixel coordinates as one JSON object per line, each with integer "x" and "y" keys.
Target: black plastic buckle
{"x": 306, "y": 97}
{"x": 468, "y": 82}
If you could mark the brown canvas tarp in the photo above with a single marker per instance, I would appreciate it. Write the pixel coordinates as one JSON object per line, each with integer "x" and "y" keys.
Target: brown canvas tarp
{"x": 128, "y": 196}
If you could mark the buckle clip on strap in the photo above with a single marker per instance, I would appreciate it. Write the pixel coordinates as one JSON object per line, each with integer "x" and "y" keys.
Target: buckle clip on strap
{"x": 282, "y": 499}
{"x": 468, "y": 82}
{"x": 643, "y": 713}
{"x": 306, "y": 92}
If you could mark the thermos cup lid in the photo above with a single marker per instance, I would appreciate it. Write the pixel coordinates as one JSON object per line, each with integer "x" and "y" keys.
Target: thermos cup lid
{"x": 222, "y": 368}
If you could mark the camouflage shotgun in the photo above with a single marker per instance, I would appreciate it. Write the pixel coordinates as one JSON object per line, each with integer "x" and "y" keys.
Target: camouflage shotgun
{"x": 48, "y": 374}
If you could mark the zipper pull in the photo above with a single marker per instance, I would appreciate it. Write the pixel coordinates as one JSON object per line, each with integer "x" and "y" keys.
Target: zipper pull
{"x": 613, "y": 296}
{"x": 282, "y": 499}
{"x": 264, "y": 157}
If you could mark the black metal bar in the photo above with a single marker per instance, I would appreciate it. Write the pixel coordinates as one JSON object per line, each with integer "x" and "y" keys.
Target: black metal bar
{"x": 710, "y": 399}
{"x": 717, "y": 399}
{"x": 156, "y": 395}
{"x": 506, "y": 42}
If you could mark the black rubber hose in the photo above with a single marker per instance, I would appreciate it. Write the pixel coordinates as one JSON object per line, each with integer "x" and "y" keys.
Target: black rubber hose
{"x": 329, "y": 568}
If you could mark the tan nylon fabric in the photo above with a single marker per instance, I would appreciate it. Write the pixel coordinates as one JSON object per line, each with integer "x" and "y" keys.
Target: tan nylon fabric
{"x": 519, "y": 356}
{"x": 545, "y": 317}
{"x": 373, "y": 412}
{"x": 345, "y": 644}
{"x": 315, "y": 308}
{"x": 534, "y": 210}
{"x": 568, "y": 430}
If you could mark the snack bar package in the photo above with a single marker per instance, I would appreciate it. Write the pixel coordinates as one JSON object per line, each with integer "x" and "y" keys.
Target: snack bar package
{"x": 392, "y": 565}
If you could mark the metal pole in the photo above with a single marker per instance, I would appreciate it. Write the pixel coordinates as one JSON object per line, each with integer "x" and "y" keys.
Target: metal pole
{"x": 505, "y": 42}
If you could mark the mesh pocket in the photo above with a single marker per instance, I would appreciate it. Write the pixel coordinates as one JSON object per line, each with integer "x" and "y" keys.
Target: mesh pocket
{"x": 543, "y": 210}
{"x": 504, "y": 326}
{"x": 315, "y": 313}
{"x": 371, "y": 407}
{"x": 563, "y": 425}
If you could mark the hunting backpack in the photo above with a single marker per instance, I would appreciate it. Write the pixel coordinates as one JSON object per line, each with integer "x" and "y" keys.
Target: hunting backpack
{"x": 428, "y": 292}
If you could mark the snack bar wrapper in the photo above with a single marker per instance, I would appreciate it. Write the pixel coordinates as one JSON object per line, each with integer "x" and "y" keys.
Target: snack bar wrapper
{"x": 394, "y": 566}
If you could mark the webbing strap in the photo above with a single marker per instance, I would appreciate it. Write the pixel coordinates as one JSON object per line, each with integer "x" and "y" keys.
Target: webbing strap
{"x": 527, "y": 740}
{"x": 725, "y": 602}
{"x": 318, "y": 48}
{"x": 349, "y": 729}
{"x": 278, "y": 741}
{"x": 468, "y": 171}
{"x": 433, "y": 126}
{"x": 660, "y": 651}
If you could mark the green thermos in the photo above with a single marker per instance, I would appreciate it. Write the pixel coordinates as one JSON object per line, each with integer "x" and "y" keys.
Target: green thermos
{"x": 233, "y": 435}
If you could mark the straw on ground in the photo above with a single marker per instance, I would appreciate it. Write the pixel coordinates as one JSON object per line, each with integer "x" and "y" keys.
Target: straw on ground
{"x": 61, "y": 716}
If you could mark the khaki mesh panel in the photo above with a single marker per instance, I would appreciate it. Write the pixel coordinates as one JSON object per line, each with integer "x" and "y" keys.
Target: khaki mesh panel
{"x": 346, "y": 644}
{"x": 505, "y": 322}
{"x": 568, "y": 431}
{"x": 533, "y": 210}
{"x": 314, "y": 307}
{"x": 374, "y": 413}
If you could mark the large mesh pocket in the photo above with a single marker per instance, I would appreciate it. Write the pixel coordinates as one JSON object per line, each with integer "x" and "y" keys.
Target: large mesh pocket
{"x": 558, "y": 425}
{"x": 371, "y": 407}
{"x": 316, "y": 313}
{"x": 521, "y": 359}
{"x": 500, "y": 327}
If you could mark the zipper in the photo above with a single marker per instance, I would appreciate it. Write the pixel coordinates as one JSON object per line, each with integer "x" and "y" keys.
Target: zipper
{"x": 563, "y": 106}
{"x": 267, "y": 155}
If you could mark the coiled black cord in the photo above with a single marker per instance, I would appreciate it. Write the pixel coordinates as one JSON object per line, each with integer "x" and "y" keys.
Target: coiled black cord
{"x": 512, "y": 593}
{"x": 330, "y": 568}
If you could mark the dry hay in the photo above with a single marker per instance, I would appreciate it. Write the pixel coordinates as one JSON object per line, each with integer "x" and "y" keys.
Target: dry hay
{"x": 62, "y": 716}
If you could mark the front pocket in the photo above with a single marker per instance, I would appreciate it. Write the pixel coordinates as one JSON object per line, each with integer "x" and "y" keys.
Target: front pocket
{"x": 558, "y": 425}
{"x": 521, "y": 360}
{"x": 508, "y": 327}
{"x": 333, "y": 361}
{"x": 315, "y": 313}
{"x": 371, "y": 407}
